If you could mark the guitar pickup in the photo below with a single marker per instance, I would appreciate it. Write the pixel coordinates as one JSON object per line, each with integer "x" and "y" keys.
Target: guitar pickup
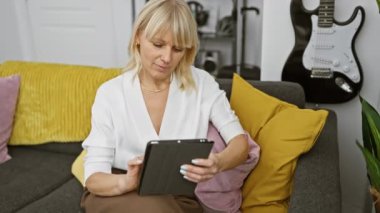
{"x": 321, "y": 73}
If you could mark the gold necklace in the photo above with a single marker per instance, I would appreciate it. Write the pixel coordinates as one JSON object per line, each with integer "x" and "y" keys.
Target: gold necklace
{"x": 152, "y": 90}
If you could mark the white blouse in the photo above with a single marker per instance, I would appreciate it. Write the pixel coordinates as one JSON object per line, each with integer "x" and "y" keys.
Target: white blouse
{"x": 121, "y": 126}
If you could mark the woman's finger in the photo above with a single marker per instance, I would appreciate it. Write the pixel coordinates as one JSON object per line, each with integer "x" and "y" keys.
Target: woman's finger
{"x": 203, "y": 162}
{"x": 196, "y": 177}
{"x": 136, "y": 161}
{"x": 199, "y": 170}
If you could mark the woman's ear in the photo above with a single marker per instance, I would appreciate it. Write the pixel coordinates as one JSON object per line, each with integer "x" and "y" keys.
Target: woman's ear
{"x": 137, "y": 39}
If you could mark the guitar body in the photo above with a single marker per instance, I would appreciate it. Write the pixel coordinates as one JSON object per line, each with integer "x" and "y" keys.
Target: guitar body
{"x": 323, "y": 59}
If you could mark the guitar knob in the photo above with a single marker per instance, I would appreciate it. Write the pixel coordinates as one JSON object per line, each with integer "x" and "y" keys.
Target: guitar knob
{"x": 355, "y": 77}
{"x": 336, "y": 63}
{"x": 346, "y": 69}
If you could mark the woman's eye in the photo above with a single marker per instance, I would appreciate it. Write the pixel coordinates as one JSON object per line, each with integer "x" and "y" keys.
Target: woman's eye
{"x": 177, "y": 49}
{"x": 157, "y": 45}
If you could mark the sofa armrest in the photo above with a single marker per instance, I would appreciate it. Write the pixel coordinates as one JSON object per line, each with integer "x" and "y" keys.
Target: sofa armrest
{"x": 317, "y": 179}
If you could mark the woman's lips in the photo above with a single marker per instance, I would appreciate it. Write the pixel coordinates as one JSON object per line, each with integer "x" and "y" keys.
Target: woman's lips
{"x": 162, "y": 68}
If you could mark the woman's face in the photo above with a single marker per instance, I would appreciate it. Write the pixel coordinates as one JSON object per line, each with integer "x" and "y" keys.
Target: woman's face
{"x": 159, "y": 56}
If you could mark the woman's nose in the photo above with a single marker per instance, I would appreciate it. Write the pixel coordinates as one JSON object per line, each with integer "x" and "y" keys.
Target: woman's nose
{"x": 166, "y": 55}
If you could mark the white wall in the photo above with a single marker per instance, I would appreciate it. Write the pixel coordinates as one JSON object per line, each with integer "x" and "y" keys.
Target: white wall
{"x": 10, "y": 47}
{"x": 277, "y": 43}
{"x": 87, "y": 32}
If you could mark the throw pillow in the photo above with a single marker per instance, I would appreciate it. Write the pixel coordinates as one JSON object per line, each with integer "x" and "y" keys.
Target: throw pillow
{"x": 283, "y": 132}
{"x": 9, "y": 87}
{"x": 55, "y": 101}
{"x": 223, "y": 191}
{"x": 77, "y": 168}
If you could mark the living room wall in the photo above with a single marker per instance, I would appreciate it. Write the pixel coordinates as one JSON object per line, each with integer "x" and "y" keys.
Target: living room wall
{"x": 88, "y": 32}
{"x": 10, "y": 48}
{"x": 277, "y": 43}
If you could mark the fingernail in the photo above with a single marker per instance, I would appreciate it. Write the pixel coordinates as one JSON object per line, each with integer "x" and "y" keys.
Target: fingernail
{"x": 194, "y": 161}
{"x": 186, "y": 177}
{"x": 183, "y": 167}
{"x": 182, "y": 171}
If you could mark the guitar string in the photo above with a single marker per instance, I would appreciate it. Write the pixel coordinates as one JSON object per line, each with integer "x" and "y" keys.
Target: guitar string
{"x": 323, "y": 19}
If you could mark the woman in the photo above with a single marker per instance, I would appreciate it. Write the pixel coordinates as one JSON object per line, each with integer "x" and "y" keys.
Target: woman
{"x": 159, "y": 96}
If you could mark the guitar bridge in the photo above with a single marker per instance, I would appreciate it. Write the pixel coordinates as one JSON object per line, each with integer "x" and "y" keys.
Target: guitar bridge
{"x": 321, "y": 73}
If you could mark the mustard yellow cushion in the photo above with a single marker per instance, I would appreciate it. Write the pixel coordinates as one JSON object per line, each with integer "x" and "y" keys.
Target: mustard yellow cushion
{"x": 77, "y": 168}
{"x": 283, "y": 132}
{"x": 55, "y": 100}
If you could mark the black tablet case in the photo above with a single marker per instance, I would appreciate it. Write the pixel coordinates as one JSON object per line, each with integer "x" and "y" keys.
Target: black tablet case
{"x": 162, "y": 162}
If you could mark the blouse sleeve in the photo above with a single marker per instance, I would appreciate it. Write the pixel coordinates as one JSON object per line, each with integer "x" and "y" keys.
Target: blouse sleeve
{"x": 100, "y": 143}
{"x": 221, "y": 115}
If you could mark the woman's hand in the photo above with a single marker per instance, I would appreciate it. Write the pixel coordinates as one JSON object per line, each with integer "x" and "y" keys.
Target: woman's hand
{"x": 202, "y": 169}
{"x": 133, "y": 175}
{"x": 233, "y": 155}
{"x": 105, "y": 184}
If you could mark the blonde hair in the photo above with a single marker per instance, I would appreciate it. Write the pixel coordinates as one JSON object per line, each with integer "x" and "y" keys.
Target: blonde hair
{"x": 160, "y": 16}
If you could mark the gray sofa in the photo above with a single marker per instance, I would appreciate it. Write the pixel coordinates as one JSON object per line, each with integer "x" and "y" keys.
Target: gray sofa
{"x": 38, "y": 178}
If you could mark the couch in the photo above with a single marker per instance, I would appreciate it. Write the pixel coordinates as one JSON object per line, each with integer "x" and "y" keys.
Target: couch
{"x": 38, "y": 178}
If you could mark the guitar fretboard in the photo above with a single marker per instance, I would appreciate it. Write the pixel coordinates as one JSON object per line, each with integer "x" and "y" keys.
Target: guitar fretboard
{"x": 326, "y": 13}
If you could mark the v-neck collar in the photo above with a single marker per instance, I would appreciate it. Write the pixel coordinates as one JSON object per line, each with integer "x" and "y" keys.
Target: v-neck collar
{"x": 135, "y": 101}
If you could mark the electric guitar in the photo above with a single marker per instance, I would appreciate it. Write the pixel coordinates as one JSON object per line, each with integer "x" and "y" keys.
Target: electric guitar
{"x": 323, "y": 59}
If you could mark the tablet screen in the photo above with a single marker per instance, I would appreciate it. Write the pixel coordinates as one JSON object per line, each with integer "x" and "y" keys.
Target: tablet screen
{"x": 162, "y": 162}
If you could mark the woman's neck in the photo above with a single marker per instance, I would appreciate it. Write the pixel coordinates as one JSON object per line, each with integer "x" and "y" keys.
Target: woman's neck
{"x": 151, "y": 84}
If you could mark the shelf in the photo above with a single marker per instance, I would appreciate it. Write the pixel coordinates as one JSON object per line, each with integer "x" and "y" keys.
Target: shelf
{"x": 214, "y": 36}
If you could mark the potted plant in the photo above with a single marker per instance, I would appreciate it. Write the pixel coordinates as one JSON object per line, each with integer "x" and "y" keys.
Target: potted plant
{"x": 371, "y": 148}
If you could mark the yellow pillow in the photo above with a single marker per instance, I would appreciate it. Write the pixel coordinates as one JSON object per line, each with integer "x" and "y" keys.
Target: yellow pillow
{"x": 283, "y": 132}
{"x": 77, "y": 168}
{"x": 55, "y": 101}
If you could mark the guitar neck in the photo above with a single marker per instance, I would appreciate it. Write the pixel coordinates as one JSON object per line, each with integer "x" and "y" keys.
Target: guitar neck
{"x": 326, "y": 13}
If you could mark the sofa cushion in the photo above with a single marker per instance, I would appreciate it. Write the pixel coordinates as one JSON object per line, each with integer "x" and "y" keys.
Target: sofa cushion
{"x": 66, "y": 198}
{"x": 55, "y": 100}
{"x": 30, "y": 175}
{"x": 64, "y": 148}
{"x": 283, "y": 132}
{"x": 9, "y": 87}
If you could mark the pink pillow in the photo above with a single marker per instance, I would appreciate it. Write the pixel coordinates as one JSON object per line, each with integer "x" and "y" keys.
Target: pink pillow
{"x": 9, "y": 87}
{"x": 223, "y": 192}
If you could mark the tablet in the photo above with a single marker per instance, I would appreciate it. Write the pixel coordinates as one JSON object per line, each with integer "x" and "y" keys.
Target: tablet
{"x": 162, "y": 161}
